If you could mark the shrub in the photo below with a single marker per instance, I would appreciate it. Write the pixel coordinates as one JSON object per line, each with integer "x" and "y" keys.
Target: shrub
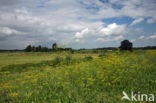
{"x": 57, "y": 60}
{"x": 88, "y": 58}
{"x": 72, "y": 51}
{"x": 102, "y": 54}
{"x": 68, "y": 60}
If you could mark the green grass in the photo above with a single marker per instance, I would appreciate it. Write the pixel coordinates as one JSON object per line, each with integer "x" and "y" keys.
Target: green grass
{"x": 21, "y": 57}
{"x": 7, "y": 58}
{"x": 77, "y": 78}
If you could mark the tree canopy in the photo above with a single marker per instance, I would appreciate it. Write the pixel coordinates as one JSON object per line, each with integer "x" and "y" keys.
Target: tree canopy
{"x": 126, "y": 45}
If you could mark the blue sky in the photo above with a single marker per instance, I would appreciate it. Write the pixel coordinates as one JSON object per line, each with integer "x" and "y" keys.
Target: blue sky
{"x": 77, "y": 23}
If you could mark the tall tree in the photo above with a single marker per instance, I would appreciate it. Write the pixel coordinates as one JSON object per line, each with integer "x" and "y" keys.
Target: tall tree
{"x": 39, "y": 48}
{"x": 54, "y": 47}
{"x": 28, "y": 48}
{"x": 126, "y": 45}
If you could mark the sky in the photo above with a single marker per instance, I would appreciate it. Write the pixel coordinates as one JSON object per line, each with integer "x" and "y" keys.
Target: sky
{"x": 77, "y": 23}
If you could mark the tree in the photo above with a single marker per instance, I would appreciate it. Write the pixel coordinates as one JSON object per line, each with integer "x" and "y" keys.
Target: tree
{"x": 36, "y": 49}
{"x": 44, "y": 49}
{"x": 33, "y": 48}
{"x": 54, "y": 47}
{"x": 39, "y": 48}
{"x": 28, "y": 48}
{"x": 126, "y": 45}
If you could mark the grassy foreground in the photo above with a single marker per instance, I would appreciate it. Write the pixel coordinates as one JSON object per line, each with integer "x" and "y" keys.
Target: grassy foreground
{"x": 76, "y": 78}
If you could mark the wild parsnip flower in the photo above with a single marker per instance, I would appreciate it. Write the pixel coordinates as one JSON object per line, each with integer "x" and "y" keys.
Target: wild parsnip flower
{"x": 14, "y": 94}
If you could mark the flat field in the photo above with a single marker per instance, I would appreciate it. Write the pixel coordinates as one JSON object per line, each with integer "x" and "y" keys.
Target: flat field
{"x": 80, "y": 77}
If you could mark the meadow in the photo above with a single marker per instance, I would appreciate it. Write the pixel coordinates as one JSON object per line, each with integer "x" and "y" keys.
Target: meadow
{"x": 80, "y": 77}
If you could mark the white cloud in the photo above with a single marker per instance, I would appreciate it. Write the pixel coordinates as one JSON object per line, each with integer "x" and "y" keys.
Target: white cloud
{"x": 82, "y": 33}
{"x": 113, "y": 29}
{"x": 151, "y": 20}
{"x": 109, "y": 30}
{"x": 109, "y": 33}
{"x": 133, "y": 40}
{"x": 118, "y": 38}
{"x": 152, "y": 37}
{"x": 102, "y": 39}
{"x": 141, "y": 37}
{"x": 145, "y": 40}
{"x": 136, "y": 21}
{"x": 8, "y": 31}
{"x": 109, "y": 38}
{"x": 66, "y": 21}
{"x": 147, "y": 37}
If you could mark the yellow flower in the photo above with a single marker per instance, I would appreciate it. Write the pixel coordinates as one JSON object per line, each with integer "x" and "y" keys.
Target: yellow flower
{"x": 34, "y": 80}
{"x": 29, "y": 94}
{"x": 7, "y": 86}
{"x": 14, "y": 94}
{"x": 39, "y": 87}
{"x": 23, "y": 82}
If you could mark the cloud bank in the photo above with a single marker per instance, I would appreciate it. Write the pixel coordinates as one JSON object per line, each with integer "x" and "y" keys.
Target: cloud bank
{"x": 76, "y": 23}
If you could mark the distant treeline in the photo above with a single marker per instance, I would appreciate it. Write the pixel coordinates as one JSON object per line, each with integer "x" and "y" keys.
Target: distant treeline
{"x": 145, "y": 48}
{"x": 45, "y": 49}
{"x": 115, "y": 48}
{"x": 39, "y": 48}
{"x": 125, "y": 45}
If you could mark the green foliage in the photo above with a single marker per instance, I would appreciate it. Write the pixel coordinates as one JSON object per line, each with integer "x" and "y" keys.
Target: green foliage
{"x": 102, "y": 54}
{"x": 68, "y": 59}
{"x": 126, "y": 45}
{"x": 80, "y": 80}
{"x": 88, "y": 58}
{"x": 28, "y": 48}
{"x": 72, "y": 51}
{"x": 54, "y": 47}
{"x": 57, "y": 60}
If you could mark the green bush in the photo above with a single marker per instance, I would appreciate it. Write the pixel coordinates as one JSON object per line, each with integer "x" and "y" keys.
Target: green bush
{"x": 88, "y": 58}
{"x": 57, "y": 61}
{"x": 68, "y": 60}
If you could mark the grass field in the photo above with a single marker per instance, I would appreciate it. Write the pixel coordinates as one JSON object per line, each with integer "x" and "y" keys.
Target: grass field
{"x": 63, "y": 77}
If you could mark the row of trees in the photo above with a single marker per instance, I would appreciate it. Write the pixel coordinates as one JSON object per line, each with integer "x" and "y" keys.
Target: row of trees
{"x": 125, "y": 45}
{"x": 39, "y": 48}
